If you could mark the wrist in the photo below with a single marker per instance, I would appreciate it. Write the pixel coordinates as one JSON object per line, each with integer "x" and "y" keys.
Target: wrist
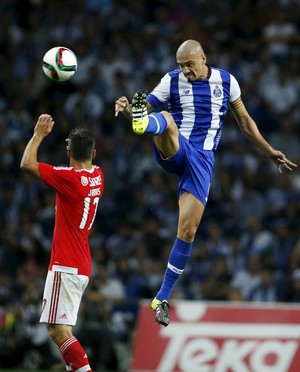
{"x": 39, "y": 137}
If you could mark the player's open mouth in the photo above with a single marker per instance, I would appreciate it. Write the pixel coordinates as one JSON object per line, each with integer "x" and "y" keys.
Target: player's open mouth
{"x": 189, "y": 76}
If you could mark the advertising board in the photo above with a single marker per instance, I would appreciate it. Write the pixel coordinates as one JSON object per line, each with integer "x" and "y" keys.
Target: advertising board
{"x": 219, "y": 337}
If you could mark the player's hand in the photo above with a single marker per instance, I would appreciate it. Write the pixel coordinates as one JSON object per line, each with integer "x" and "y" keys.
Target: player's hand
{"x": 44, "y": 125}
{"x": 281, "y": 161}
{"x": 121, "y": 105}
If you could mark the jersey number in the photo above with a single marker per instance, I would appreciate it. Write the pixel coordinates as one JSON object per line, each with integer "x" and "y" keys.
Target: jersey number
{"x": 86, "y": 211}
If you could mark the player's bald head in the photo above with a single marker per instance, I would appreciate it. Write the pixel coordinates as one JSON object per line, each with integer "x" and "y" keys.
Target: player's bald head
{"x": 189, "y": 48}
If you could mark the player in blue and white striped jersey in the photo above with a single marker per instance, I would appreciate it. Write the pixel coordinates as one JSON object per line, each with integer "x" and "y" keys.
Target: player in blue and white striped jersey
{"x": 185, "y": 138}
{"x": 197, "y": 107}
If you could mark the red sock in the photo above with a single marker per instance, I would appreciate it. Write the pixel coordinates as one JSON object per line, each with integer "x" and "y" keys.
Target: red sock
{"x": 74, "y": 355}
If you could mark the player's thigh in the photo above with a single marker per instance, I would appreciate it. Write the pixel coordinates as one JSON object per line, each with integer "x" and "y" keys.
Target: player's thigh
{"x": 190, "y": 214}
{"x": 168, "y": 142}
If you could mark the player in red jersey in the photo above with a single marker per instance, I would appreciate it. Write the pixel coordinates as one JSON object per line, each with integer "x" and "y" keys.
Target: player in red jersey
{"x": 78, "y": 190}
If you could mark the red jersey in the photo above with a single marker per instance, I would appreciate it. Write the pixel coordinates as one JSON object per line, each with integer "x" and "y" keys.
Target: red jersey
{"x": 77, "y": 196}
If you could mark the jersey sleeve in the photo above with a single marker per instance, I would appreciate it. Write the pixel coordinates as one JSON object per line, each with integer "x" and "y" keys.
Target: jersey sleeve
{"x": 58, "y": 178}
{"x": 161, "y": 93}
{"x": 235, "y": 90}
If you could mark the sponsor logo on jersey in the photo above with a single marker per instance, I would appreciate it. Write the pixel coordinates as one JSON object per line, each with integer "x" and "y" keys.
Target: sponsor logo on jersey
{"x": 95, "y": 181}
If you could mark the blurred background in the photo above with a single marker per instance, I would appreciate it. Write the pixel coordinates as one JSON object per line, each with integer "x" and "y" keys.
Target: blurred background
{"x": 248, "y": 245}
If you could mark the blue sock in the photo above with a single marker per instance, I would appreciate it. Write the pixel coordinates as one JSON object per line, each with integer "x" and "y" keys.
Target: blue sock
{"x": 178, "y": 259}
{"x": 157, "y": 124}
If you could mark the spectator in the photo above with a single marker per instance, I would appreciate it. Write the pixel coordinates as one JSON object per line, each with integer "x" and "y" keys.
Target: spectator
{"x": 94, "y": 329}
{"x": 295, "y": 287}
{"x": 31, "y": 336}
{"x": 249, "y": 278}
{"x": 265, "y": 291}
{"x": 216, "y": 286}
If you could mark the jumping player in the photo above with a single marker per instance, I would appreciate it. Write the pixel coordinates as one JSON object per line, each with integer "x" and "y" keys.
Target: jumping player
{"x": 185, "y": 139}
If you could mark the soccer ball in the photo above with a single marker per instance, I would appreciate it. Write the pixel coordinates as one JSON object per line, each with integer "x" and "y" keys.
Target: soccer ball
{"x": 59, "y": 64}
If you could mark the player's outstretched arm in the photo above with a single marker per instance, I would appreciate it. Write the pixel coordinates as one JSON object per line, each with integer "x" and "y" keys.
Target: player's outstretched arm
{"x": 42, "y": 128}
{"x": 250, "y": 129}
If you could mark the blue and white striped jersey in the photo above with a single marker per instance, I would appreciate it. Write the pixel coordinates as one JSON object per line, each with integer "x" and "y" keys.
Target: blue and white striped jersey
{"x": 198, "y": 107}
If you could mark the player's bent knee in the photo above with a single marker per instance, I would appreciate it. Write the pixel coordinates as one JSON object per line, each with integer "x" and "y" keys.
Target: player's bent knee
{"x": 187, "y": 235}
{"x": 172, "y": 128}
{"x": 168, "y": 117}
{"x": 59, "y": 333}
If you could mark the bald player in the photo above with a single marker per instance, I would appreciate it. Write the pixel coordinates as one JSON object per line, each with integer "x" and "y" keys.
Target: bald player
{"x": 185, "y": 138}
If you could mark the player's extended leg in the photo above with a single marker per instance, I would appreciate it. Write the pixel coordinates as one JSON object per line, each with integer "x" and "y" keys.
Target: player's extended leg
{"x": 71, "y": 350}
{"x": 190, "y": 214}
{"x": 142, "y": 123}
{"x": 160, "y": 125}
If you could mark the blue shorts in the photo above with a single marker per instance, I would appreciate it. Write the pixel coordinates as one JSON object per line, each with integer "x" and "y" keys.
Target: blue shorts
{"x": 193, "y": 168}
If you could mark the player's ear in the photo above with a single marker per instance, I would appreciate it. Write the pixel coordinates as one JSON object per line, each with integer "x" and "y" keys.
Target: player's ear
{"x": 94, "y": 154}
{"x": 68, "y": 153}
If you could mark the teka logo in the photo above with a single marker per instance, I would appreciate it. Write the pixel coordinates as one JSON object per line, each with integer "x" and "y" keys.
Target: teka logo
{"x": 219, "y": 338}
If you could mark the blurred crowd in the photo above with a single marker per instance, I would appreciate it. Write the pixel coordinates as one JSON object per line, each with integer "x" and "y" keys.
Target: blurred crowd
{"x": 248, "y": 245}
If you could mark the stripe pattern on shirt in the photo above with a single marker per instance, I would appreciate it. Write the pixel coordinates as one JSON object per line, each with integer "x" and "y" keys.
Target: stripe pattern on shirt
{"x": 198, "y": 107}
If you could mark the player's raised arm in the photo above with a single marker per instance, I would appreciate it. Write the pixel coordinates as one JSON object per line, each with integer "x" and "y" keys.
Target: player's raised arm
{"x": 42, "y": 128}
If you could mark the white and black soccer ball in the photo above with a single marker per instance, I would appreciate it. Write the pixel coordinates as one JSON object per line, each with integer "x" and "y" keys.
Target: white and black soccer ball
{"x": 59, "y": 63}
